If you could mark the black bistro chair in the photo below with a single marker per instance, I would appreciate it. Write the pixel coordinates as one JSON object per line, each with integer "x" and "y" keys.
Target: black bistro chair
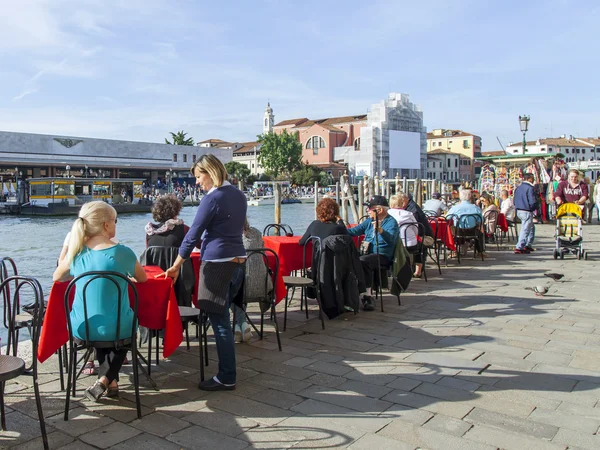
{"x": 12, "y": 366}
{"x": 465, "y": 233}
{"x": 305, "y": 280}
{"x": 266, "y": 297}
{"x": 76, "y": 344}
{"x": 278, "y": 229}
{"x": 22, "y": 318}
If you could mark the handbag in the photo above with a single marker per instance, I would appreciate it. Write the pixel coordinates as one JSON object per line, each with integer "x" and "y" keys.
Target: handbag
{"x": 428, "y": 241}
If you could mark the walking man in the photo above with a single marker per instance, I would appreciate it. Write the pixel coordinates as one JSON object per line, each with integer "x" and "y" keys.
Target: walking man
{"x": 526, "y": 202}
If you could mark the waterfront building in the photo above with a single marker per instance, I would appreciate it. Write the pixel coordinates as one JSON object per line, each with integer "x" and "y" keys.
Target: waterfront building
{"x": 247, "y": 154}
{"x": 28, "y": 155}
{"x": 458, "y": 142}
{"x": 448, "y": 166}
{"x": 361, "y": 143}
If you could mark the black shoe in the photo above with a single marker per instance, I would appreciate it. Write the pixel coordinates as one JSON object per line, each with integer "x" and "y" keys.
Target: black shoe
{"x": 213, "y": 385}
{"x": 368, "y": 303}
{"x": 530, "y": 248}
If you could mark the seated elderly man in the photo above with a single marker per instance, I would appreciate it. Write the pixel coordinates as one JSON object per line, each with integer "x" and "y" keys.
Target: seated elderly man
{"x": 408, "y": 234}
{"x": 435, "y": 204}
{"x": 377, "y": 249}
{"x": 467, "y": 208}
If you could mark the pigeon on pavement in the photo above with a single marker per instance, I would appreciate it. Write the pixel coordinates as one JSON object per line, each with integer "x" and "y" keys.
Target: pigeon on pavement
{"x": 554, "y": 276}
{"x": 539, "y": 290}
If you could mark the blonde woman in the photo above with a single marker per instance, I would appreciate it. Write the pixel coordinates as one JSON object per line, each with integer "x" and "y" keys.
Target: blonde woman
{"x": 219, "y": 222}
{"x": 90, "y": 248}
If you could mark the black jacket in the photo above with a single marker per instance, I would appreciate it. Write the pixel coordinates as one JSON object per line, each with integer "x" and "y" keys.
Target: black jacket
{"x": 341, "y": 278}
{"x": 420, "y": 216}
{"x": 164, "y": 257}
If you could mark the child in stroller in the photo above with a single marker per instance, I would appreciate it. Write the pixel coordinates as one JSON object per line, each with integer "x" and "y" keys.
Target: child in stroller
{"x": 569, "y": 231}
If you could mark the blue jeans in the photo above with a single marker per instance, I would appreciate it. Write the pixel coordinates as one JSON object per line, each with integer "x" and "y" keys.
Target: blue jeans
{"x": 221, "y": 324}
{"x": 239, "y": 314}
{"x": 527, "y": 232}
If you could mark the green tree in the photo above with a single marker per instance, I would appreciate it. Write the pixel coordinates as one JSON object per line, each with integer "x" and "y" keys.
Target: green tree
{"x": 180, "y": 138}
{"x": 280, "y": 153}
{"x": 237, "y": 170}
{"x": 306, "y": 175}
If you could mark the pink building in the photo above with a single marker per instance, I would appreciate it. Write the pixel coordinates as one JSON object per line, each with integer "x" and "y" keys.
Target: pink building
{"x": 320, "y": 137}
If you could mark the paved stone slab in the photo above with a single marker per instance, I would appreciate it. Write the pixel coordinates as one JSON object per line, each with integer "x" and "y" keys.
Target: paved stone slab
{"x": 481, "y": 416}
{"x": 447, "y": 424}
{"x": 562, "y": 420}
{"x": 220, "y": 421}
{"x": 343, "y": 416}
{"x": 575, "y": 438}
{"x": 375, "y": 441}
{"x": 370, "y": 390}
{"x": 80, "y": 421}
{"x": 429, "y": 439}
{"x": 146, "y": 442}
{"x": 159, "y": 424}
{"x": 509, "y": 441}
{"x": 346, "y": 399}
{"x": 205, "y": 439}
{"x": 110, "y": 435}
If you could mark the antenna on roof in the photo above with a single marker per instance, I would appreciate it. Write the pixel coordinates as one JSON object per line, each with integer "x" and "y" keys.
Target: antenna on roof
{"x": 503, "y": 148}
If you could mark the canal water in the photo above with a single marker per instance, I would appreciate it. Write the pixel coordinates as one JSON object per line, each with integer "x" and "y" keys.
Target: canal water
{"x": 35, "y": 242}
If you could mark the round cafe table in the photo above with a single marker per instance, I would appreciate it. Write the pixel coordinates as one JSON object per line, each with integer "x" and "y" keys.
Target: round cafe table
{"x": 444, "y": 232}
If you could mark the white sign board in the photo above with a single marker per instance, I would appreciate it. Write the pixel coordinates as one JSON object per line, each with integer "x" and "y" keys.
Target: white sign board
{"x": 405, "y": 150}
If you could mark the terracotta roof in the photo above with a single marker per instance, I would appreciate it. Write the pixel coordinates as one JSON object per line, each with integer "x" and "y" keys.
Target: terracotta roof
{"x": 594, "y": 141}
{"x": 439, "y": 151}
{"x": 217, "y": 142}
{"x": 494, "y": 153}
{"x": 559, "y": 142}
{"x": 294, "y": 122}
{"x": 455, "y": 133}
{"x": 329, "y": 165}
{"x": 331, "y": 128}
{"x": 247, "y": 147}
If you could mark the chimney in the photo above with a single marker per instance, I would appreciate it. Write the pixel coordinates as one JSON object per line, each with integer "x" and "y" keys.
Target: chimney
{"x": 570, "y": 137}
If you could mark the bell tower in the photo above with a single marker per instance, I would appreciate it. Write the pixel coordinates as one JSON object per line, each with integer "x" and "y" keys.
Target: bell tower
{"x": 268, "y": 120}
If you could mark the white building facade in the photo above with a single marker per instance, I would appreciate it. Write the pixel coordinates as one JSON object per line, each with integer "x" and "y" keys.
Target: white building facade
{"x": 396, "y": 113}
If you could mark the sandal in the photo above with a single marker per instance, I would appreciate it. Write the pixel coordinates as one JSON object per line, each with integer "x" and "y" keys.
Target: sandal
{"x": 89, "y": 368}
{"x": 112, "y": 391}
{"x": 93, "y": 393}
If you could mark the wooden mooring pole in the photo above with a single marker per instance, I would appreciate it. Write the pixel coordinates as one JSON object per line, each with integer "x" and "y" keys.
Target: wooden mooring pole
{"x": 277, "y": 192}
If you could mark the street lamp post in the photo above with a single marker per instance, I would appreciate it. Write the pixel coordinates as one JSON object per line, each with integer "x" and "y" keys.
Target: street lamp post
{"x": 383, "y": 183}
{"x": 524, "y": 123}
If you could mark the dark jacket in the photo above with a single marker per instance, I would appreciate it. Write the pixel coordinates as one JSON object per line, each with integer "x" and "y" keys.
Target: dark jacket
{"x": 401, "y": 270}
{"x": 525, "y": 198}
{"x": 164, "y": 257}
{"x": 341, "y": 278}
{"x": 171, "y": 238}
{"x": 420, "y": 216}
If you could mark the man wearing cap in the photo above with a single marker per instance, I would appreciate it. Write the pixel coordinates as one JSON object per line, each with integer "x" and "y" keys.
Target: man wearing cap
{"x": 435, "y": 204}
{"x": 381, "y": 242}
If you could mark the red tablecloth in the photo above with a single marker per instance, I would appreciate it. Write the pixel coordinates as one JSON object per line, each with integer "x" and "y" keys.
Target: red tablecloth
{"x": 279, "y": 284}
{"x": 289, "y": 251}
{"x": 502, "y": 223}
{"x": 157, "y": 309}
{"x": 444, "y": 233}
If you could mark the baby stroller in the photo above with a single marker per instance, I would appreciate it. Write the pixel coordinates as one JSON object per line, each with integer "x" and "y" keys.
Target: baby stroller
{"x": 569, "y": 232}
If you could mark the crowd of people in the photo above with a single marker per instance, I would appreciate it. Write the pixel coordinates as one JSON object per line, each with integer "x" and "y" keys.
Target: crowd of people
{"x": 222, "y": 234}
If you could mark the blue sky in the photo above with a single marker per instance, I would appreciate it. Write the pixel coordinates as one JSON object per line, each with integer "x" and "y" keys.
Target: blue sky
{"x": 137, "y": 69}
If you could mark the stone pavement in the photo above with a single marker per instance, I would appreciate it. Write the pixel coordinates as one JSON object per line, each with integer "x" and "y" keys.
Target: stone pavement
{"x": 470, "y": 360}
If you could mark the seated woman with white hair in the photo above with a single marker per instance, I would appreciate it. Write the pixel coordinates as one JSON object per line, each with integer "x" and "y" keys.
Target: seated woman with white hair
{"x": 408, "y": 235}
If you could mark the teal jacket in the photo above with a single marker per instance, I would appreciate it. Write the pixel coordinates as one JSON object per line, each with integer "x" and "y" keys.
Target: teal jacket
{"x": 387, "y": 239}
